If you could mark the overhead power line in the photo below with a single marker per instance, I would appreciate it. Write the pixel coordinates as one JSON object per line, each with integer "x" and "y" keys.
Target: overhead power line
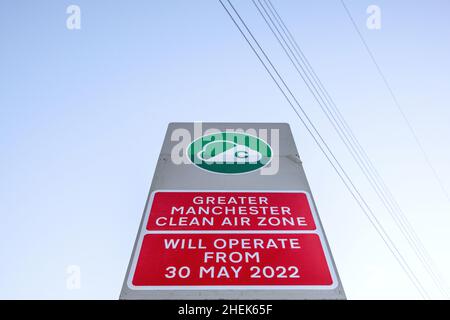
{"x": 300, "y": 62}
{"x": 321, "y": 143}
{"x": 399, "y": 107}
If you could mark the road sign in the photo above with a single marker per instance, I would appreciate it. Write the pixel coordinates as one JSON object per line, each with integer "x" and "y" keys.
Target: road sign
{"x": 250, "y": 232}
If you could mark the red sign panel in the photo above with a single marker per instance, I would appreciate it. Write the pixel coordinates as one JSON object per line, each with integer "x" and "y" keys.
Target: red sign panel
{"x": 231, "y": 259}
{"x": 230, "y": 239}
{"x": 230, "y": 211}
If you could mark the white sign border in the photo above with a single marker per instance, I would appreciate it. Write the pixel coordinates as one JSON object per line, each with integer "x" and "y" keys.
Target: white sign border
{"x": 143, "y": 232}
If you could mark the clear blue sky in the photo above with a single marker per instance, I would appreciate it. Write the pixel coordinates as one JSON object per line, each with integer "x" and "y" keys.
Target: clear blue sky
{"x": 83, "y": 114}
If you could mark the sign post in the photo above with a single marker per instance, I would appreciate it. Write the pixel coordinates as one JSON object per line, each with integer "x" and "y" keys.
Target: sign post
{"x": 230, "y": 216}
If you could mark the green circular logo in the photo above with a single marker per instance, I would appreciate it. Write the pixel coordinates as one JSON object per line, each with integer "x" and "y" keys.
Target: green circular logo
{"x": 229, "y": 153}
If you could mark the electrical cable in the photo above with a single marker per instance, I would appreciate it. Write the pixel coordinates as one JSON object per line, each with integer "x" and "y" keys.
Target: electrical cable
{"x": 323, "y": 146}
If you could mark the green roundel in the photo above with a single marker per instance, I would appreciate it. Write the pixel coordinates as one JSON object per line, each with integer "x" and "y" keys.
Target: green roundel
{"x": 229, "y": 153}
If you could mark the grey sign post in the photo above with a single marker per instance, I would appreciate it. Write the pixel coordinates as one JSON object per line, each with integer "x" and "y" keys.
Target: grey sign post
{"x": 178, "y": 253}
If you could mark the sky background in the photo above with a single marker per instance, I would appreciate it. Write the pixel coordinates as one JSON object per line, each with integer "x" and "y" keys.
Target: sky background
{"x": 83, "y": 114}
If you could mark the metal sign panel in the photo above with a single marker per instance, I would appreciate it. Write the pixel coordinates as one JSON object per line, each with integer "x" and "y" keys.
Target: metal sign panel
{"x": 230, "y": 216}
